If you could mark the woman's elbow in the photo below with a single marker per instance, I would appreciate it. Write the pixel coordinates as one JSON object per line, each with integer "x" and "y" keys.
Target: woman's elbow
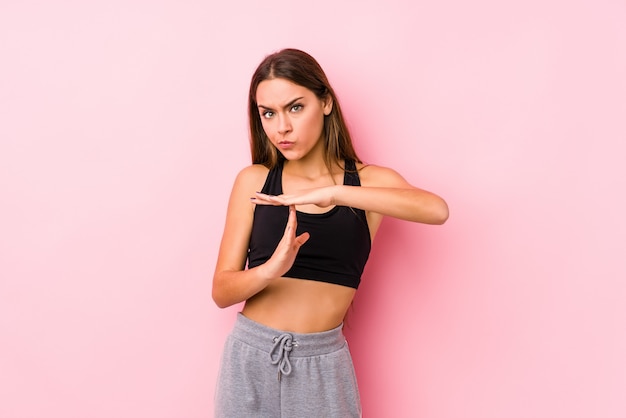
{"x": 219, "y": 301}
{"x": 219, "y": 297}
{"x": 442, "y": 214}
{"x": 439, "y": 213}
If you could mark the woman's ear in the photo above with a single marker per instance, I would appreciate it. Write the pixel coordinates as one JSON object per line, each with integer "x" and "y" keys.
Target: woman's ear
{"x": 327, "y": 105}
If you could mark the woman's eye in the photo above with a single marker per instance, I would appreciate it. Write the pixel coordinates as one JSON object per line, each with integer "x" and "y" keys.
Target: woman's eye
{"x": 296, "y": 108}
{"x": 267, "y": 114}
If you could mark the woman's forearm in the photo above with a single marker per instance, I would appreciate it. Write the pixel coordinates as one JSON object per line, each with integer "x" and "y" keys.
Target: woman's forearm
{"x": 231, "y": 287}
{"x": 409, "y": 204}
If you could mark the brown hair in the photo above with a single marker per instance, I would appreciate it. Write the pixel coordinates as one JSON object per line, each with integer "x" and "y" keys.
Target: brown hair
{"x": 302, "y": 69}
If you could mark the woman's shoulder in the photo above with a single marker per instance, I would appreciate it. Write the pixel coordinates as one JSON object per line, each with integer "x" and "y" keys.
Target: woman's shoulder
{"x": 254, "y": 170}
{"x": 252, "y": 176}
{"x": 372, "y": 175}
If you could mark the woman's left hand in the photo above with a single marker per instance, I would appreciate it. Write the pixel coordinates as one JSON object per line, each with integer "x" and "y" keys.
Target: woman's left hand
{"x": 321, "y": 196}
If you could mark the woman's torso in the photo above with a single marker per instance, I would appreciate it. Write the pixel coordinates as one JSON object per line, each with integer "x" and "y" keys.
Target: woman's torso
{"x": 300, "y": 305}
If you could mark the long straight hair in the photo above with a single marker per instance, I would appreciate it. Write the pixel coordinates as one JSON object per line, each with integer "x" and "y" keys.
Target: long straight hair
{"x": 302, "y": 69}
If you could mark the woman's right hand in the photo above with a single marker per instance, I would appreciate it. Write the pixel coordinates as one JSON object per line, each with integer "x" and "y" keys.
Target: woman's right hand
{"x": 285, "y": 253}
{"x": 232, "y": 281}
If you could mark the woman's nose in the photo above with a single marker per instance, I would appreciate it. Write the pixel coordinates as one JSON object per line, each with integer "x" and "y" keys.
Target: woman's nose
{"x": 284, "y": 124}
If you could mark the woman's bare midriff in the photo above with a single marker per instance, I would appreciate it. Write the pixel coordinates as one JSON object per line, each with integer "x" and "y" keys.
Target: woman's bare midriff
{"x": 302, "y": 306}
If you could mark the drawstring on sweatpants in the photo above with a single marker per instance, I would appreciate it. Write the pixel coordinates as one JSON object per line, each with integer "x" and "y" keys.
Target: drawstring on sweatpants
{"x": 279, "y": 354}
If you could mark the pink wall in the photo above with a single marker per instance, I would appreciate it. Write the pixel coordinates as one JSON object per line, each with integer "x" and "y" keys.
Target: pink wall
{"x": 122, "y": 125}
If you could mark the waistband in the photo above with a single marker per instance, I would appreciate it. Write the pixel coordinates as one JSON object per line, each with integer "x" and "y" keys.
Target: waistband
{"x": 302, "y": 345}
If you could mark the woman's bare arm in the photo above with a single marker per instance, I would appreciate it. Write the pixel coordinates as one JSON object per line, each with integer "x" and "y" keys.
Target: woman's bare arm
{"x": 383, "y": 191}
{"x": 232, "y": 283}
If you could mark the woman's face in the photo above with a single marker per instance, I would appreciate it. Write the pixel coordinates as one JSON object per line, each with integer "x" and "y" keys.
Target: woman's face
{"x": 292, "y": 116}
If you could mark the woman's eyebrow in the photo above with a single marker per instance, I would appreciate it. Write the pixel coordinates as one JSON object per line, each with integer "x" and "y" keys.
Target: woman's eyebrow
{"x": 291, "y": 103}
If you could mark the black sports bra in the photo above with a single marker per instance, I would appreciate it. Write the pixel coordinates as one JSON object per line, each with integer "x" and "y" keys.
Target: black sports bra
{"x": 338, "y": 247}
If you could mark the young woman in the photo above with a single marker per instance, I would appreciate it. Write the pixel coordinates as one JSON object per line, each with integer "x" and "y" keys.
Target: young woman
{"x": 298, "y": 233}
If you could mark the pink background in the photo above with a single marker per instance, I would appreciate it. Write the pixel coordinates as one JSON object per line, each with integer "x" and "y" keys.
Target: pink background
{"x": 122, "y": 126}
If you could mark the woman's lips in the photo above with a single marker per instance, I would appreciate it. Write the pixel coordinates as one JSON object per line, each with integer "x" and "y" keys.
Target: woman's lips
{"x": 285, "y": 144}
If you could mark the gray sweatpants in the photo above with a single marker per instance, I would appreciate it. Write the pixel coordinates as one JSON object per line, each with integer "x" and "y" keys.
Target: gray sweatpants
{"x": 268, "y": 373}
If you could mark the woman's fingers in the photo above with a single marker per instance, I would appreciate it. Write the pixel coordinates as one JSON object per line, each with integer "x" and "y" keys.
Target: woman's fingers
{"x": 321, "y": 196}
{"x": 289, "y": 236}
{"x": 292, "y": 224}
{"x": 302, "y": 238}
{"x": 265, "y": 199}
{"x": 292, "y": 221}
{"x": 288, "y": 247}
